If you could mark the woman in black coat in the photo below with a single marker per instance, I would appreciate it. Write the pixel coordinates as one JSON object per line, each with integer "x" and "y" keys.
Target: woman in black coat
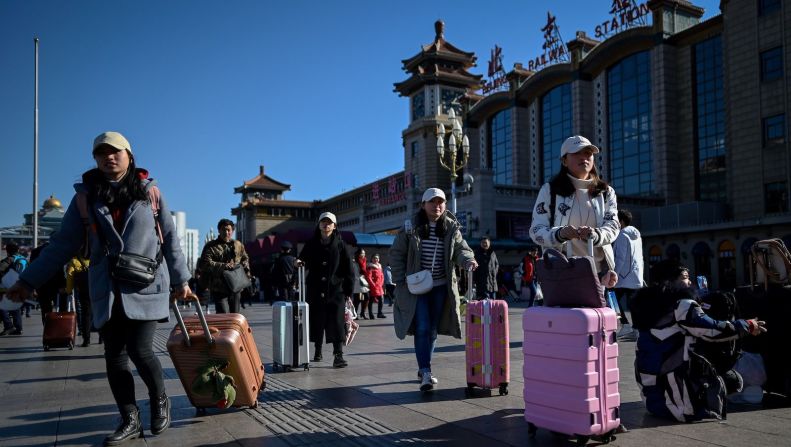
{"x": 328, "y": 284}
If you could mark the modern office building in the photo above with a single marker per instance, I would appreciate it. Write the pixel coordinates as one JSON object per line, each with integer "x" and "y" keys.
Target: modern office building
{"x": 690, "y": 116}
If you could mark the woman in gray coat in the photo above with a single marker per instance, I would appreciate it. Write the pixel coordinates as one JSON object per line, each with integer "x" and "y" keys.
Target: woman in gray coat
{"x": 435, "y": 244}
{"x": 113, "y": 210}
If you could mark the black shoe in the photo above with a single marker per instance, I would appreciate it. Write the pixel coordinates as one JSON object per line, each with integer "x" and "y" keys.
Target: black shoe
{"x": 5, "y": 332}
{"x": 317, "y": 357}
{"x": 160, "y": 414}
{"x": 130, "y": 428}
{"x": 85, "y": 343}
{"x": 371, "y": 317}
{"x": 16, "y": 332}
{"x": 363, "y": 317}
{"x": 339, "y": 362}
{"x": 381, "y": 316}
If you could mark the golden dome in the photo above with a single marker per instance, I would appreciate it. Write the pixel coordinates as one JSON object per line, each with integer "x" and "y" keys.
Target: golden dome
{"x": 52, "y": 202}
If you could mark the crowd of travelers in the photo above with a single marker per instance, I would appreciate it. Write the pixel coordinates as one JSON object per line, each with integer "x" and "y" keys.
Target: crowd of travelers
{"x": 118, "y": 212}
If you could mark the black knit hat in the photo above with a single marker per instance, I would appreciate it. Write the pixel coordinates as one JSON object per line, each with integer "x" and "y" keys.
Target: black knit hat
{"x": 667, "y": 270}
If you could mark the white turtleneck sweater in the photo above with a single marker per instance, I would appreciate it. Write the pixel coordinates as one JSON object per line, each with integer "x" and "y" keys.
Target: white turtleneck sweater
{"x": 582, "y": 214}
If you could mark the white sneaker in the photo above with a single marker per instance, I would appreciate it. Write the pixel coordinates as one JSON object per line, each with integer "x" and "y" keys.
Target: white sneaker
{"x": 433, "y": 378}
{"x": 427, "y": 382}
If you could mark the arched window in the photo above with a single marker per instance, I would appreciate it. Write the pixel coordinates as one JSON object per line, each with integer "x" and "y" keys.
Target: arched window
{"x": 629, "y": 113}
{"x": 500, "y": 142}
{"x": 654, "y": 254}
{"x": 726, "y": 260}
{"x": 555, "y": 127}
{"x": 701, "y": 253}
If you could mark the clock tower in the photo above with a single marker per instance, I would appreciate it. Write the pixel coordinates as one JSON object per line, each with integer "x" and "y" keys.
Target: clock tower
{"x": 438, "y": 79}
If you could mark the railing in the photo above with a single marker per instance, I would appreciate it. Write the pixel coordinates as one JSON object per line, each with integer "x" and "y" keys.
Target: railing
{"x": 681, "y": 215}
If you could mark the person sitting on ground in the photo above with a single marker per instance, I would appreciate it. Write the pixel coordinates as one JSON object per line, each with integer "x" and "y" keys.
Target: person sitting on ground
{"x": 675, "y": 381}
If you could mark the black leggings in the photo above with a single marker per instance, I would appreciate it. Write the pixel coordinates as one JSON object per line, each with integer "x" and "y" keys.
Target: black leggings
{"x": 126, "y": 339}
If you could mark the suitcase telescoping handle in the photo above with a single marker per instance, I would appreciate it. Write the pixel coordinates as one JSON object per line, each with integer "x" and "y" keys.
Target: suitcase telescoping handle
{"x": 201, "y": 317}
{"x": 301, "y": 279}
{"x": 470, "y": 285}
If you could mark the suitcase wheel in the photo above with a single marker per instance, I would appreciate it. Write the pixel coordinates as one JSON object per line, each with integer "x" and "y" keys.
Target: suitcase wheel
{"x": 531, "y": 430}
{"x": 254, "y": 405}
{"x": 468, "y": 392}
{"x": 504, "y": 389}
{"x": 307, "y": 367}
{"x": 582, "y": 440}
{"x": 46, "y": 348}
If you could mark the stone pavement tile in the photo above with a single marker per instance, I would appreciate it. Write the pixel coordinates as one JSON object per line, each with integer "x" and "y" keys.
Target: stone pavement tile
{"x": 724, "y": 434}
{"x": 449, "y": 410}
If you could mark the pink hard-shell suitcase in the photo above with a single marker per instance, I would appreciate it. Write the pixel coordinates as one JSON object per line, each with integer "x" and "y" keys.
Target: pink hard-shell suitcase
{"x": 571, "y": 371}
{"x": 487, "y": 345}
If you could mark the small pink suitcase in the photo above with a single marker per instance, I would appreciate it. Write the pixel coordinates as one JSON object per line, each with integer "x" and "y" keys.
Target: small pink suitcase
{"x": 571, "y": 371}
{"x": 487, "y": 346}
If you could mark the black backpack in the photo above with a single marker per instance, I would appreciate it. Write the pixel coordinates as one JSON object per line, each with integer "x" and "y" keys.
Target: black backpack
{"x": 720, "y": 306}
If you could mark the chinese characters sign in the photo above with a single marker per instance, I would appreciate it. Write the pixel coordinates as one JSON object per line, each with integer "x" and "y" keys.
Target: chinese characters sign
{"x": 497, "y": 80}
{"x": 554, "y": 49}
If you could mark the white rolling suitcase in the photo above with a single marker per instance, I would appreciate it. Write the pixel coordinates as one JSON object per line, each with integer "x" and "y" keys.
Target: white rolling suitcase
{"x": 290, "y": 330}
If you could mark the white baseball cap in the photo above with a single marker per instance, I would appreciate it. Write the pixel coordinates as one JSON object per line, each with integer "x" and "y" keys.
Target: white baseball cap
{"x": 328, "y": 215}
{"x": 113, "y": 139}
{"x": 433, "y": 192}
{"x": 574, "y": 144}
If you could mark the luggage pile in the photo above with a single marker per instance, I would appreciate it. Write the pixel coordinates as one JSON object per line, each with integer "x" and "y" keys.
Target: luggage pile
{"x": 768, "y": 298}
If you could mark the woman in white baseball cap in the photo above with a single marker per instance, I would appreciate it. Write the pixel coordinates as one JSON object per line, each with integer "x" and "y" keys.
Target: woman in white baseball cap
{"x": 435, "y": 245}
{"x": 328, "y": 285}
{"x": 577, "y": 205}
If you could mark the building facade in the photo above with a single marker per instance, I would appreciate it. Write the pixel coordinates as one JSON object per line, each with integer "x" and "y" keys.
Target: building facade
{"x": 690, "y": 116}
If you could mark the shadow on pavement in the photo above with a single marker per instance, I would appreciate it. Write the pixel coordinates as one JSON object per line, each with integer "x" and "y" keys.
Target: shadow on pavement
{"x": 81, "y": 378}
{"x": 52, "y": 358}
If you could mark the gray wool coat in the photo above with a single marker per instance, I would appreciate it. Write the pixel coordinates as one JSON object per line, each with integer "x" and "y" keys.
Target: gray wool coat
{"x": 405, "y": 260}
{"x": 138, "y": 236}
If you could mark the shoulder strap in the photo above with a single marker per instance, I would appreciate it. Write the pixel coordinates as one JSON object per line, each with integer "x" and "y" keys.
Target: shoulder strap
{"x": 153, "y": 197}
{"x": 82, "y": 207}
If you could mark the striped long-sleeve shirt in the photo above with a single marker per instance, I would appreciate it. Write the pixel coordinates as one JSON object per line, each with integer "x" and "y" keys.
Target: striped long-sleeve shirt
{"x": 432, "y": 256}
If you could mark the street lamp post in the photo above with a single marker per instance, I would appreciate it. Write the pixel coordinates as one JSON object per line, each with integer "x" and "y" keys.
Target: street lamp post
{"x": 455, "y": 137}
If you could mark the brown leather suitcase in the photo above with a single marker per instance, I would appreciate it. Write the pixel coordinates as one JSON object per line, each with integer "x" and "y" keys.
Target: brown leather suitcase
{"x": 230, "y": 339}
{"x": 60, "y": 328}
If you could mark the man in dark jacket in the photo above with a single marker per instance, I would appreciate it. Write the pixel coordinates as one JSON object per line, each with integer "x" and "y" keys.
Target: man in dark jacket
{"x": 284, "y": 273}
{"x": 486, "y": 275}
{"x": 219, "y": 255}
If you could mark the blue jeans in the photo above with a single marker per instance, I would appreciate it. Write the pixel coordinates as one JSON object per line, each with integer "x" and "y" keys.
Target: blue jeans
{"x": 532, "y": 286}
{"x": 427, "y": 314}
{"x": 12, "y": 319}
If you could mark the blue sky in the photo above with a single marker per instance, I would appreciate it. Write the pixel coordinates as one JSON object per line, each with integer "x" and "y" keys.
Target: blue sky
{"x": 206, "y": 91}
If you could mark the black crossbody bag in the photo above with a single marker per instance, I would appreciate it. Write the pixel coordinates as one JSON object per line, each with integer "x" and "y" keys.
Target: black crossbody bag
{"x": 130, "y": 268}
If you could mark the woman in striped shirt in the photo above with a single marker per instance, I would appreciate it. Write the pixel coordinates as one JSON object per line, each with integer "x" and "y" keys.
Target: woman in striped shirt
{"x": 436, "y": 245}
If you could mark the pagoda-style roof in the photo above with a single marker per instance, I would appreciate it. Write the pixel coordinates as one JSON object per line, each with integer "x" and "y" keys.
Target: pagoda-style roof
{"x": 439, "y": 62}
{"x": 262, "y": 182}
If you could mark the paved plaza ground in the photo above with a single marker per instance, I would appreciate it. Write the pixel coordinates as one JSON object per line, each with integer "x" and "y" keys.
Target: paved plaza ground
{"x": 61, "y": 398}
